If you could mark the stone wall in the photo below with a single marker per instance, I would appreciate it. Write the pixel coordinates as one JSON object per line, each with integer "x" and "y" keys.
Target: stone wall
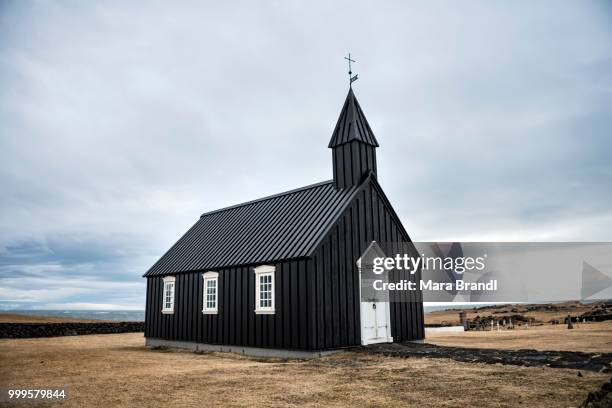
{"x": 25, "y": 330}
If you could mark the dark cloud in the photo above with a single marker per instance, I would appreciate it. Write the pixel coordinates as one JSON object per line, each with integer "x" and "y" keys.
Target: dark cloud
{"x": 121, "y": 123}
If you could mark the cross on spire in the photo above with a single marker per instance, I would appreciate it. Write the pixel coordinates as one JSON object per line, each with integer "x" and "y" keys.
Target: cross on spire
{"x": 350, "y": 71}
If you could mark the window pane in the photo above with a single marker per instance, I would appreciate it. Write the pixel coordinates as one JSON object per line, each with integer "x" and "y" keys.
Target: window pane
{"x": 210, "y": 286}
{"x": 265, "y": 288}
{"x": 168, "y": 296}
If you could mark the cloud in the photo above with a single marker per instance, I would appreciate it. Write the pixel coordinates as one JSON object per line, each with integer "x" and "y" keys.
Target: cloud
{"x": 122, "y": 123}
{"x": 71, "y": 270}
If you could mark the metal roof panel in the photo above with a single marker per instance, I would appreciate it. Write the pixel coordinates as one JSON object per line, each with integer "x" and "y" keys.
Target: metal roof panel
{"x": 268, "y": 229}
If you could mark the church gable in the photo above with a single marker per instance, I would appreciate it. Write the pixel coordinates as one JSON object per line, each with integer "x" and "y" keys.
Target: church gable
{"x": 368, "y": 217}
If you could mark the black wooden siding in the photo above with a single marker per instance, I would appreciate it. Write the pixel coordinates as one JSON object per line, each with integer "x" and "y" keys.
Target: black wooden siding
{"x": 352, "y": 162}
{"x": 337, "y": 303}
{"x": 236, "y": 322}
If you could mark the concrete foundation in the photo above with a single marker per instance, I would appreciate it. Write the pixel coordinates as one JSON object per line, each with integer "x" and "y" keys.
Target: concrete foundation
{"x": 247, "y": 351}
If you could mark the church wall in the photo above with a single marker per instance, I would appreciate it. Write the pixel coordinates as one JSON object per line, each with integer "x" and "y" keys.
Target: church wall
{"x": 236, "y": 322}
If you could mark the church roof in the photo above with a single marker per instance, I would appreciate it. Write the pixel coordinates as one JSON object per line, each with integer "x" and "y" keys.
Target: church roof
{"x": 352, "y": 124}
{"x": 283, "y": 226}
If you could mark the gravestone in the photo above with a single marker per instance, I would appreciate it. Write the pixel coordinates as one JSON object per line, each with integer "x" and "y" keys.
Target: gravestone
{"x": 463, "y": 320}
{"x": 568, "y": 320}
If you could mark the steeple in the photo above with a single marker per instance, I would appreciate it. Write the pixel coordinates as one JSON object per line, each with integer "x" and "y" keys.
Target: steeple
{"x": 353, "y": 145}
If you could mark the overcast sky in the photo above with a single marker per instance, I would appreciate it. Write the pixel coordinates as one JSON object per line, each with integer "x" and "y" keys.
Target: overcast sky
{"x": 120, "y": 123}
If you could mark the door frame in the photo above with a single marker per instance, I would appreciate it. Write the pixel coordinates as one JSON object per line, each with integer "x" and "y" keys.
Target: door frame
{"x": 389, "y": 339}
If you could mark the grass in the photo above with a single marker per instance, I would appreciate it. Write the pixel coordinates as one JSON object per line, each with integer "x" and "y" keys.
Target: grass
{"x": 117, "y": 370}
{"x": 588, "y": 337}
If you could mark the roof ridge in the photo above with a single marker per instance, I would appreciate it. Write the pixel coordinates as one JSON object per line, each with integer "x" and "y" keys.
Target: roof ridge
{"x": 295, "y": 190}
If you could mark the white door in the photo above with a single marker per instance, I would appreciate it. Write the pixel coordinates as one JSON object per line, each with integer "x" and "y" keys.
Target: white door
{"x": 374, "y": 311}
{"x": 375, "y": 323}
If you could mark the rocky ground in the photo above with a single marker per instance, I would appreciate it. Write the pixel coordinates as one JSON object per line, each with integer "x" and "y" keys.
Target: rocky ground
{"x": 27, "y": 330}
{"x": 601, "y": 398}
{"x": 596, "y": 362}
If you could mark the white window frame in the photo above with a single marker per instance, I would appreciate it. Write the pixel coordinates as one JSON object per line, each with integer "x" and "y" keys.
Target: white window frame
{"x": 210, "y": 277}
{"x": 167, "y": 280}
{"x": 264, "y": 270}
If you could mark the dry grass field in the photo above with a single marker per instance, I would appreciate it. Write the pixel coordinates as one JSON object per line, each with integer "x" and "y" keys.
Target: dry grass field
{"x": 589, "y": 337}
{"x": 117, "y": 370}
{"x": 20, "y": 318}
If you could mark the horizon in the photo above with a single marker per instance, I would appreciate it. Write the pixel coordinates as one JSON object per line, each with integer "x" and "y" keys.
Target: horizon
{"x": 432, "y": 306}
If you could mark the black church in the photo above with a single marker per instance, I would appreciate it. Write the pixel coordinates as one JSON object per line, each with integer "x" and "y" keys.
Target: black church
{"x": 281, "y": 274}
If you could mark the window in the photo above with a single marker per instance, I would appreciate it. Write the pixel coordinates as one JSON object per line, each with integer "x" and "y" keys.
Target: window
{"x": 211, "y": 285}
{"x": 168, "y": 296}
{"x": 264, "y": 289}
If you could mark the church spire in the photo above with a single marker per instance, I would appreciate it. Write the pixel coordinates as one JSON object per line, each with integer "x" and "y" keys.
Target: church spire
{"x": 353, "y": 145}
{"x": 352, "y": 124}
